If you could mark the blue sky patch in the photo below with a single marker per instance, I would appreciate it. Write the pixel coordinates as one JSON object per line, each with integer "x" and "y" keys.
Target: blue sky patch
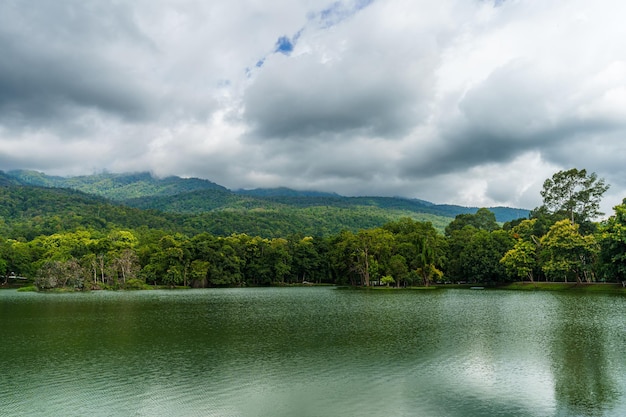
{"x": 284, "y": 45}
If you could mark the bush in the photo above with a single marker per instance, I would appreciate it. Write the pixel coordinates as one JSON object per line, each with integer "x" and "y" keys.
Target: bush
{"x": 136, "y": 284}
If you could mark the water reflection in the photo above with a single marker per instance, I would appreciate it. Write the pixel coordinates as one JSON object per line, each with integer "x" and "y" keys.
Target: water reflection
{"x": 584, "y": 380}
{"x": 312, "y": 352}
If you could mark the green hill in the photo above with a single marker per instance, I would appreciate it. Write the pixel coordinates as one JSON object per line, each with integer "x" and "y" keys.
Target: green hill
{"x": 192, "y": 205}
{"x": 118, "y": 187}
{"x": 30, "y": 211}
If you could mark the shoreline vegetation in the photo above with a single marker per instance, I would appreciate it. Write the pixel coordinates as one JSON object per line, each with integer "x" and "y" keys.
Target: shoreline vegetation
{"x": 569, "y": 287}
{"x": 559, "y": 247}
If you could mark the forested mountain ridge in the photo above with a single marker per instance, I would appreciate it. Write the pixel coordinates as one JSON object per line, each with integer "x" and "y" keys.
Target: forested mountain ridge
{"x": 28, "y": 211}
{"x": 118, "y": 187}
{"x": 195, "y": 196}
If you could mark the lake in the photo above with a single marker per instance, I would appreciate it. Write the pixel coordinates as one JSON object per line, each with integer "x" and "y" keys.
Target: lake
{"x": 315, "y": 351}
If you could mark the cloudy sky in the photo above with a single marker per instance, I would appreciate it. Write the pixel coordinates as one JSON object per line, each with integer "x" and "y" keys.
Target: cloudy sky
{"x": 472, "y": 102}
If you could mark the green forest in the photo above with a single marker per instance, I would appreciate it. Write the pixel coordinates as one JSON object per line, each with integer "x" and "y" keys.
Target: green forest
{"x": 58, "y": 238}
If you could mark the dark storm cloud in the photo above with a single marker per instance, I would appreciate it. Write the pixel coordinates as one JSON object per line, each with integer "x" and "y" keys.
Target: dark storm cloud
{"x": 55, "y": 61}
{"x": 360, "y": 92}
{"x": 299, "y": 105}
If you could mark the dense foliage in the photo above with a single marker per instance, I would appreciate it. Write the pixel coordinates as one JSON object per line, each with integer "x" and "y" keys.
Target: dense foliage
{"x": 194, "y": 196}
{"x": 63, "y": 238}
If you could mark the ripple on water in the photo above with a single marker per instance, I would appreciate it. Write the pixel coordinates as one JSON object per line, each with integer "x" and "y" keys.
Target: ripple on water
{"x": 309, "y": 352}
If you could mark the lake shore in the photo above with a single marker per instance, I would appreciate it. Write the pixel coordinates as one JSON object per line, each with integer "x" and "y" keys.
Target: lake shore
{"x": 595, "y": 287}
{"x": 613, "y": 288}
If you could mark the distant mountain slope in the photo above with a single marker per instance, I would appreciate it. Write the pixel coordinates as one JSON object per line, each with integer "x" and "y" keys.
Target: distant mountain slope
{"x": 7, "y": 180}
{"x": 30, "y": 211}
{"x": 196, "y": 196}
{"x": 283, "y": 192}
{"x": 209, "y": 200}
{"x": 118, "y": 187}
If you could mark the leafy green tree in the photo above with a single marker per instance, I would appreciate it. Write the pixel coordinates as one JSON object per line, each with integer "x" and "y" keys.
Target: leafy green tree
{"x": 362, "y": 256}
{"x": 226, "y": 270}
{"x": 23, "y": 258}
{"x": 67, "y": 245}
{"x": 575, "y": 194}
{"x": 341, "y": 257}
{"x": 4, "y": 273}
{"x": 386, "y": 280}
{"x": 480, "y": 258}
{"x": 198, "y": 272}
{"x": 458, "y": 242}
{"x": 169, "y": 262}
{"x": 280, "y": 259}
{"x": 371, "y": 248}
{"x": 462, "y": 264}
{"x": 257, "y": 265}
{"x": 427, "y": 261}
{"x": 521, "y": 261}
{"x": 422, "y": 247}
{"x": 569, "y": 254}
{"x": 429, "y": 273}
{"x": 305, "y": 260}
{"x": 398, "y": 269}
{"x": 483, "y": 219}
{"x": 613, "y": 243}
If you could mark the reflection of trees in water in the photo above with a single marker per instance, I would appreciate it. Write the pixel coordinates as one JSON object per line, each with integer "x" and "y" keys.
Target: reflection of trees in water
{"x": 584, "y": 383}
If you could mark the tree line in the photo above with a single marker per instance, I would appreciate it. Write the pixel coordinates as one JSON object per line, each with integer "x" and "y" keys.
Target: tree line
{"x": 558, "y": 242}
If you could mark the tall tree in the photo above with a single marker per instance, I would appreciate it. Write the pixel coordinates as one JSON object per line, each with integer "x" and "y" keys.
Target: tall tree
{"x": 481, "y": 256}
{"x": 522, "y": 260}
{"x": 421, "y": 246}
{"x": 575, "y": 194}
{"x": 568, "y": 253}
{"x": 613, "y": 243}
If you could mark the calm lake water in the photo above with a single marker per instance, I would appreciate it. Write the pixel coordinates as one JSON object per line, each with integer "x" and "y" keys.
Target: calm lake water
{"x": 302, "y": 352}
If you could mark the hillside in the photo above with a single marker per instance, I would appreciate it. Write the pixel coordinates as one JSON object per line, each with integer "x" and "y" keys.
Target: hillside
{"x": 195, "y": 205}
{"x": 118, "y": 187}
{"x": 30, "y": 211}
{"x": 193, "y": 195}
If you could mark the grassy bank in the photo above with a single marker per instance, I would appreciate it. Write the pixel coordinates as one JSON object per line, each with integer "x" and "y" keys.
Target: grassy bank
{"x": 573, "y": 287}
{"x": 566, "y": 286}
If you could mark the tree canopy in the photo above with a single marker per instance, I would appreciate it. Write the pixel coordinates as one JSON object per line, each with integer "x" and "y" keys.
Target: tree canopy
{"x": 84, "y": 245}
{"x": 575, "y": 194}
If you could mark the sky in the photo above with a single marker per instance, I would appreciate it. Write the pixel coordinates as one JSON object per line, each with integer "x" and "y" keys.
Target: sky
{"x": 471, "y": 102}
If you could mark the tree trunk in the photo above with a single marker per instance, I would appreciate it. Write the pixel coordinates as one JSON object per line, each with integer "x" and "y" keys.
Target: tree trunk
{"x": 366, "y": 273}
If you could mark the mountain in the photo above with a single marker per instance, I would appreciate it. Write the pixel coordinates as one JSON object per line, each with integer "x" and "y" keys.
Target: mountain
{"x": 209, "y": 200}
{"x": 283, "y": 192}
{"x": 28, "y": 211}
{"x": 196, "y": 205}
{"x": 7, "y": 180}
{"x": 118, "y": 187}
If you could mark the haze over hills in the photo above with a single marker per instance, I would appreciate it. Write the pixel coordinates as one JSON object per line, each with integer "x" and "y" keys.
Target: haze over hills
{"x": 267, "y": 212}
